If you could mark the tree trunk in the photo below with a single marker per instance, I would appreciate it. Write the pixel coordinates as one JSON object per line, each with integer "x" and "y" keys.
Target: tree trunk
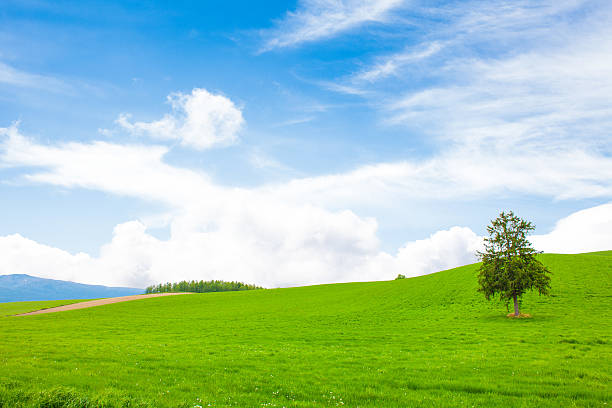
{"x": 516, "y": 305}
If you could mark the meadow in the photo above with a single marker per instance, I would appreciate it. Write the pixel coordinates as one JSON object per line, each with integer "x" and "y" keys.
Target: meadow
{"x": 13, "y": 308}
{"x": 429, "y": 341}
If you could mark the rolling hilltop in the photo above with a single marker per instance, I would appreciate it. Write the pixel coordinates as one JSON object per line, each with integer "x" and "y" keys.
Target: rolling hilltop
{"x": 426, "y": 341}
{"x": 19, "y": 287}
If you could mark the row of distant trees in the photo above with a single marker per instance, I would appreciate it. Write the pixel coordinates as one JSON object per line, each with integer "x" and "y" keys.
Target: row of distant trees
{"x": 200, "y": 286}
{"x": 509, "y": 266}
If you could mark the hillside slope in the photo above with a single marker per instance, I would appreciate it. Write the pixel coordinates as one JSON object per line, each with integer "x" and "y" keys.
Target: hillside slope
{"x": 19, "y": 287}
{"x": 426, "y": 341}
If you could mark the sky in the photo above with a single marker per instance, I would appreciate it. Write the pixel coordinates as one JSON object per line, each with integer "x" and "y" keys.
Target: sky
{"x": 297, "y": 143}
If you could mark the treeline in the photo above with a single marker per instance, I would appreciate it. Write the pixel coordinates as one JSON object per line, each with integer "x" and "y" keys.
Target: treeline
{"x": 200, "y": 287}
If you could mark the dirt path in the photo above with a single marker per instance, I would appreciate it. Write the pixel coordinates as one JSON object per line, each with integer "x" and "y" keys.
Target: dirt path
{"x": 99, "y": 302}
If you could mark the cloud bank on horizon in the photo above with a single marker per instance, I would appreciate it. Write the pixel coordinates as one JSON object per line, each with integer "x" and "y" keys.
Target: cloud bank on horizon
{"x": 528, "y": 121}
{"x": 275, "y": 236}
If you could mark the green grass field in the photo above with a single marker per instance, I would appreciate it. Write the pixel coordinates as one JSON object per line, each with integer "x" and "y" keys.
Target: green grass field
{"x": 13, "y": 308}
{"x": 426, "y": 341}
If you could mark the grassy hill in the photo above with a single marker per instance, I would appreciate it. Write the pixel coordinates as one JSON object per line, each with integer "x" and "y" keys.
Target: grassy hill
{"x": 13, "y": 308}
{"x": 426, "y": 341}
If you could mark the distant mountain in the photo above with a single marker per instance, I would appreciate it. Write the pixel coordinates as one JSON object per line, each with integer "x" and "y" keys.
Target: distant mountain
{"x": 17, "y": 288}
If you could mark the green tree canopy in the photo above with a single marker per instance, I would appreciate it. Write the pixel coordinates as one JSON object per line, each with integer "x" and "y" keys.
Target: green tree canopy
{"x": 509, "y": 264}
{"x": 200, "y": 286}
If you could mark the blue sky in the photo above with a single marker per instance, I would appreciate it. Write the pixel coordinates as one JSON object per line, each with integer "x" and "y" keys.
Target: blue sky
{"x": 296, "y": 142}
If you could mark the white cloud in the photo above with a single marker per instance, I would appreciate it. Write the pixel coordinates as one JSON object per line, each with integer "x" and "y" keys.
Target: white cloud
{"x": 22, "y": 255}
{"x": 220, "y": 233}
{"x": 322, "y": 19}
{"x": 343, "y": 88}
{"x": 442, "y": 250}
{"x": 200, "y": 120}
{"x": 139, "y": 171}
{"x": 292, "y": 122}
{"x": 261, "y": 160}
{"x": 583, "y": 231}
{"x": 530, "y": 114}
{"x": 130, "y": 170}
{"x": 215, "y": 232}
{"x": 335, "y": 248}
{"x": 390, "y": 65}
{"x": 542, "y": 99}
{"x": 502, "y": 20}
{"x": 282, "y": 246}
{"x": 469, "y": 32}
{"x": 534, "y": 122}
{"x": 274, "y": 236}
{"x": 513, "y": 76}
{"x": 460, "y": 174}
{"x": 125, "y": 261}
{"x": 15, "y": 77}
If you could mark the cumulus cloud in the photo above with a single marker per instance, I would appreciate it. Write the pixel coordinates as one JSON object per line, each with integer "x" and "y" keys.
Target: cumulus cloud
{"x": 125, "y": 261}
{"x": 24, "y": 256}
{"x": 318, "y": 248}
{"x": 442, "y": 250}
{"x": 583, "y": 231}
{"x": 277, "y": 235}
{"x": 321, "y": 19}
{"x": 300, "y": 246}
{"x": 215, "y": 232}
{"x": 200, "y": 120}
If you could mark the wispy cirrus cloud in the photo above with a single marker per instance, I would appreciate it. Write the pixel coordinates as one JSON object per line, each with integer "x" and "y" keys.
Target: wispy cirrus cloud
{"x": 520, "y": 88}
{"x": 321, "y": 19}
{"x": 466, "y": 173}
{"x": 15, "y": 77}
{"x": 546, "y": 98}
{"x": 391, "y": 65}
{"x": 296, "y": 121}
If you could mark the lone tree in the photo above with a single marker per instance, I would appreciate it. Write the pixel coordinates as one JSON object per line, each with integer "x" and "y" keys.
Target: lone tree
{"x": 509, "y": 266}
